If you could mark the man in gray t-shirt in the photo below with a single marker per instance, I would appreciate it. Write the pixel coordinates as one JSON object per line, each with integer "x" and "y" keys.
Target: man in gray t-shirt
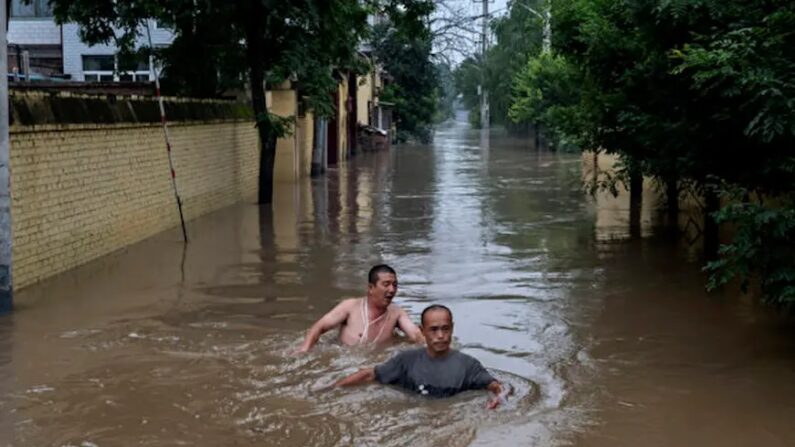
{"x": 415, "y": 370}
{"x": 436, "y": 370}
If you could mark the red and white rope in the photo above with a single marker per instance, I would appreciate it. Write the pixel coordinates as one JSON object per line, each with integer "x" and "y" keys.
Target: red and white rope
{"x": 167, "y": 136}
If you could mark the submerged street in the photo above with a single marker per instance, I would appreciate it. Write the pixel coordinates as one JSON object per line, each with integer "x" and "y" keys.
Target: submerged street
{"x": 608, "y": 340}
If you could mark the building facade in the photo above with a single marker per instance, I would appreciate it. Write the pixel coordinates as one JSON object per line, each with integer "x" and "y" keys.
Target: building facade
{"x": 57, "y": 50}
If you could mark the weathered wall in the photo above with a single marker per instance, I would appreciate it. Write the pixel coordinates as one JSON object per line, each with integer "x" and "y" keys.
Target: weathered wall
{"x": 342, "y": 122}
{"x": 364, "y": 97}
{"x": 284, "y": 102}
{"x": 305, "y": 132}
{"x": 83, "y": 189}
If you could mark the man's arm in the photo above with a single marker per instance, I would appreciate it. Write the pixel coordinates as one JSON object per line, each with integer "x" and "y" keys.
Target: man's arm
{"x": 334, "y": 318}
{"x": 390, "y": 372}
{"x": 500, "y": 394}
{"x": 409, "y": 328}
{"x": 366, "y": 375}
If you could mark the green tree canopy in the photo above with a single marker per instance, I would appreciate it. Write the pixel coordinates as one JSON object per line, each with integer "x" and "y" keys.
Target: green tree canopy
{"x": 403, "y": 45}
{"x": 217, "y": 42}
{"x": 689, "y": 91}
{"x": 518, "y": 36}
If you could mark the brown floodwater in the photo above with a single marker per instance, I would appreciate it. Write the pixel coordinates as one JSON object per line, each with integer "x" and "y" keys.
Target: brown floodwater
{"x": 608, "y": 340}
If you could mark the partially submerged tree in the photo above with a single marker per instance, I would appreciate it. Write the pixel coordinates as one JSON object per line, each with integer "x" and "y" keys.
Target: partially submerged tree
{"x": 693, "y": 92}
{"x": 740, "y": 70}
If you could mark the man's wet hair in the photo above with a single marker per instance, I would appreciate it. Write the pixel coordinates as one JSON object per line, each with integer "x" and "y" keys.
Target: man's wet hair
{"x": 372, "y": 277}
{"x": 435, "y": 307}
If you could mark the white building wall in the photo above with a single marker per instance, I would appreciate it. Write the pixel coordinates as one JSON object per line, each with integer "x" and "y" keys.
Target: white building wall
{"x": 45, "y": 31}
{"x": 33, "y": 32}
{"x": 74, "y": 49}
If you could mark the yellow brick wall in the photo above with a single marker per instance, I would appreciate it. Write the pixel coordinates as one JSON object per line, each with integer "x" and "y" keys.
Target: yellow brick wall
{"x": 82, "y": 191}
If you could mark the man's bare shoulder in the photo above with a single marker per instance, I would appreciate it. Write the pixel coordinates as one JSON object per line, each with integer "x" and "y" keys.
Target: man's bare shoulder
{"x": 400, "y": 310}
{"x": 401, "y": 315}
{"x": 349, "y": 304}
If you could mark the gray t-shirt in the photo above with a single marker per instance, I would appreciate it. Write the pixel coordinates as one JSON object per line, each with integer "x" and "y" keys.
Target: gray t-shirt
{"x": 418, "y": 372}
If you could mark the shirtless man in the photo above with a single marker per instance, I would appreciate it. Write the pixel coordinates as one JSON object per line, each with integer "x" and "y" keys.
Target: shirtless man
{"x": 371, "y": 319}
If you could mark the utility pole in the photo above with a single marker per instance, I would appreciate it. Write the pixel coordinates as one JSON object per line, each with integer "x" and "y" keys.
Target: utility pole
{"x": 6, "y": 289}
{"x": 546, "y": 43}
{"x": 484, "y": 93}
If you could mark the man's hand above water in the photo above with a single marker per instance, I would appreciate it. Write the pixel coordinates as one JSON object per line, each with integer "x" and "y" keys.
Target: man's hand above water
{"x": 500, "y": 396}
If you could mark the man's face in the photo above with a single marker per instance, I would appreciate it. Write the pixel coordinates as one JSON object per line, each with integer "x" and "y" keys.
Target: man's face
{"x": 437, "y": 327}
{"x": 384, "y": 289}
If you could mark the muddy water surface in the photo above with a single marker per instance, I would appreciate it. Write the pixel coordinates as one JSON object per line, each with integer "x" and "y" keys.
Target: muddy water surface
{"x": 608, "y": 341}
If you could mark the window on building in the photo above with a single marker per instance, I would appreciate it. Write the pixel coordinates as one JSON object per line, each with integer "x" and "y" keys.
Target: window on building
{"x": 134, "y": 71}
{"x": 99, "y": 63}
{"x": 107, "y": 68}
{"x": 98, "y": 77}
{"x": 30, "y": 8}
{"x": 135, "y": 66}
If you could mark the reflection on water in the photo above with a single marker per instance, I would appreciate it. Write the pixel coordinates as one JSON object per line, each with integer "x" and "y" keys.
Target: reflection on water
{"x": 608, "y": 341}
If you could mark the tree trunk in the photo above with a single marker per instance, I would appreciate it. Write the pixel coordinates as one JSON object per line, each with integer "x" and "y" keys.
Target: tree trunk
{"x": 318, "y": 146}
{"x": 635, "y": 201}
{"x": 672, "y": 195}
{"x": 267, "y": 138}
{"x": 711, "y": 236}
{"x": 672, "y": 204}
{"x": 255, "y": 58}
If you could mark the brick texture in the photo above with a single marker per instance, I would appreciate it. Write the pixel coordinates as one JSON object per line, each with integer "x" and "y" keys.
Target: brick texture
{"x": 80, "y": 192}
